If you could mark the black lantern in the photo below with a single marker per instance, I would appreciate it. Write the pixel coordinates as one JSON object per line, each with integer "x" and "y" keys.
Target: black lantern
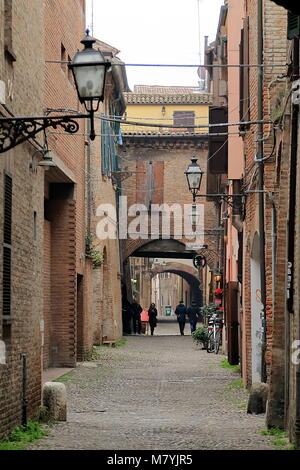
{"x": 194, "y": 176}
{"x": 89, "y": 70}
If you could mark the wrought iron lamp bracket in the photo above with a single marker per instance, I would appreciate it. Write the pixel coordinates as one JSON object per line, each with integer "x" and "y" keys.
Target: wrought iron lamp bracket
{"x": 14, "y": 131}
{"x": 230, "y": 199}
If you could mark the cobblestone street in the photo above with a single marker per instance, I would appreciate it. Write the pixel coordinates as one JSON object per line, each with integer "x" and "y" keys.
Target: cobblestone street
{"x": 156, "y": 393}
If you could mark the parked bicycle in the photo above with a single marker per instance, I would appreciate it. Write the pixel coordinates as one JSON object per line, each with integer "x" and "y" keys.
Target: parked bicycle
{"x": 215, "y": 327}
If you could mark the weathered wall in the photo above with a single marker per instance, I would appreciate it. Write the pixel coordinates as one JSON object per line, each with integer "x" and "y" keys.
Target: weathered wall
{"x": 21, "y": 331}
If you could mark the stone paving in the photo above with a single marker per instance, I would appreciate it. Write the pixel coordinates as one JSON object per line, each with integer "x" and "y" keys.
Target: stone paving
{"x": 158, "y": 392}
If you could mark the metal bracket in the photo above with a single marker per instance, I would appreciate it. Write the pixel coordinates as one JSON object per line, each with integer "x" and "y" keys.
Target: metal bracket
{"x": 14, "y": 131}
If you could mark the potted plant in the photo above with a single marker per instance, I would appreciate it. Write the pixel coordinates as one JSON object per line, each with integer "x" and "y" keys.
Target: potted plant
{"x": 200, "y": 336}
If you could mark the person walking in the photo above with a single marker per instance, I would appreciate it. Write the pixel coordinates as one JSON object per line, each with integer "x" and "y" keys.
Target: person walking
{"x": 137, "y": 324}
{"x": 193, "y": 315}
{"x": 152, "y": 312}
{"x": 145, "y": 321}
{"x": 180, "y": 311}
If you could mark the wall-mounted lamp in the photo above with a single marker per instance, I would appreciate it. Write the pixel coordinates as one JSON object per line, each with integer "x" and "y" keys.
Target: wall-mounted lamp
{"x": 46, "y": 162}
{"x": 89, "y": 69}
{"x": 194, "y": 176}
{"x": 163, "y": 111}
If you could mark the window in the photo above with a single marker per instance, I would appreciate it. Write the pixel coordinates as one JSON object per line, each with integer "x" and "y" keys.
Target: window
{"x": 184, "y": 118}
{"x": 244, "y": 75}
{"x": 293, "y": 30}
{"x": 8, "y": 46}
{"x": 7, "y": 224}
{"x": 63, "y": 58}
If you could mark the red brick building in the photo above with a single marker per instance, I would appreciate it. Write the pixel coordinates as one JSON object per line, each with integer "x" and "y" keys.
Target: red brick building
{"x": 155, "y": 160}
{"x": 21, "y": 215}
{"x": 48, "y": 284}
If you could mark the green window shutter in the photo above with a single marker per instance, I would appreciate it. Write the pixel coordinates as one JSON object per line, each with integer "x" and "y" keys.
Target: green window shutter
{"x": 293, "y": 30}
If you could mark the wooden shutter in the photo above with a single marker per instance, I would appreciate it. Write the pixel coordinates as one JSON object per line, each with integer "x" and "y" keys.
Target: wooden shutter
{"x": 232, "y": 323}
{"x": 7, "y": 224}
{"x": 293, "y": 29}
{"x": 244, "y": 73}
{"x": 184, "y": 118}
{"x": 218, "y": 146}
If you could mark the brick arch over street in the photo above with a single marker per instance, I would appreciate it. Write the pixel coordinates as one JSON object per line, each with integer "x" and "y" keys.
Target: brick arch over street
{"x": 139, "y": 247}
{"x": 154, "y": 168}
{"x": 189, "y": 273}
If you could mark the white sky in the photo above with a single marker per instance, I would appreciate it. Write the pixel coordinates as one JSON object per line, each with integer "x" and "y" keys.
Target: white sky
{"x": 156, "y": 32}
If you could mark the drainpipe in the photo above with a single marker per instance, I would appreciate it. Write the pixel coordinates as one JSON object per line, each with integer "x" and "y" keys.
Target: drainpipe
{"x": 260, "y": 154}
{"x": 291, "y": 254}
{"x": 24, "y": 389}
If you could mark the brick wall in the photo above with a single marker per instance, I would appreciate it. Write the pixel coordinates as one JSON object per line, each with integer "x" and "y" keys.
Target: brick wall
{"x": 64, "y": 25}
{"x": 22, "y": 333}
{"x": 173, "y": 157}
{"x": 274, "y": 52}
{"x": 106, "y": 305}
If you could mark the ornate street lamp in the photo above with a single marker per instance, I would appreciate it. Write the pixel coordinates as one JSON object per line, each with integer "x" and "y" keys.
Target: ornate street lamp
{"x": 194, "y": 177}
{"x": 89, "y": 69}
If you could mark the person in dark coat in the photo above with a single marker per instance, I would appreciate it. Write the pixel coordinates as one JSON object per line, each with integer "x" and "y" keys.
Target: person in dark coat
{"x": 152, "y": 312}
{"x": 180, "y": 311}
{"x": 137, "y": 310}
{"x": 193, "y": 315}
{"x": 127, "y": 316}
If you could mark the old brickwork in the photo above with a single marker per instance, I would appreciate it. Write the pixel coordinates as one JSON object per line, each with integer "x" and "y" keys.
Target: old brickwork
{"x": 274, "y": 52}
{"x": 174, "y": 156}
{"x": 65, "y": 195}
{"x": 102, "y": 189}
{"x": 20, "y": 331}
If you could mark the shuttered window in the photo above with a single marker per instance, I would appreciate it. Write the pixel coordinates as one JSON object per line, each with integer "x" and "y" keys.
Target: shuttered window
{"x": 109, "y": 159}
{"x": 244, "y": 74}
{"x": 293, "y": 30}
{"x": 184, "y": 118}
{"x": 7, "y": 225}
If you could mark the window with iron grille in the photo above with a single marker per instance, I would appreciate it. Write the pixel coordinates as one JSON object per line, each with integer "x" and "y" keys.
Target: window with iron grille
{"x": 7, "y": 225}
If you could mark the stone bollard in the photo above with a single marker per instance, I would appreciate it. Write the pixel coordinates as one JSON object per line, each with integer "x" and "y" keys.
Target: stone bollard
{"x": 258, "y": 398}
{"x": 55, "y": 399}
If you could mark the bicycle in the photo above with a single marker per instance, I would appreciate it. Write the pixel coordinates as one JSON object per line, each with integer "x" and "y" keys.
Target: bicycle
{"x": 214, "y": 340}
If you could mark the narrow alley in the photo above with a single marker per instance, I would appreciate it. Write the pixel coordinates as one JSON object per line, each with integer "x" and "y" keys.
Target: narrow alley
{"x": 160, "y": 392}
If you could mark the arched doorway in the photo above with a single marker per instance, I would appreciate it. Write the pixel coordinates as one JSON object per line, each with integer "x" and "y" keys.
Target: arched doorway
{"x": 256, "y": 309}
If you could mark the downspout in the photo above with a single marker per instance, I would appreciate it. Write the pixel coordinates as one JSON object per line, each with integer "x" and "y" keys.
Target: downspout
{"x": 24, "y": 389}
{"x": 293, "y": 202}
{"x": 260, "y": 154}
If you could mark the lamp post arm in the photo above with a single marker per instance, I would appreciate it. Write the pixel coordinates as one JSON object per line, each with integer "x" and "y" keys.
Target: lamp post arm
{"x": 14, "y": 131}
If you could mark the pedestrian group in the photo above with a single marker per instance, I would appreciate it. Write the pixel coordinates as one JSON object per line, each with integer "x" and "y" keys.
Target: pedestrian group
{"x": 141, "y": 320}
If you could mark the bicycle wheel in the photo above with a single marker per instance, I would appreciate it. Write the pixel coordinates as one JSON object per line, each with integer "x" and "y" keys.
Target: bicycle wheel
{"x": 217, "y": 342}
{"x": 211, "y": 343}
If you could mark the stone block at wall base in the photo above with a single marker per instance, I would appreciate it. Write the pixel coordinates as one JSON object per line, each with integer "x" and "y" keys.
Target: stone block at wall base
{"x": 257, "y": 402}
{"x": 55, "y": 400}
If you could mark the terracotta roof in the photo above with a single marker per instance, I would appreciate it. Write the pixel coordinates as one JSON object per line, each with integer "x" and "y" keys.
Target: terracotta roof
{"x": 161, "y": 90}
{"x": 165, "y": 98}
{"x": 104, "y": 47}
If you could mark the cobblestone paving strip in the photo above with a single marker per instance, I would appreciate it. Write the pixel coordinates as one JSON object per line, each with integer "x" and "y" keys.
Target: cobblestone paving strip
{"x": 156, "y": 393}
